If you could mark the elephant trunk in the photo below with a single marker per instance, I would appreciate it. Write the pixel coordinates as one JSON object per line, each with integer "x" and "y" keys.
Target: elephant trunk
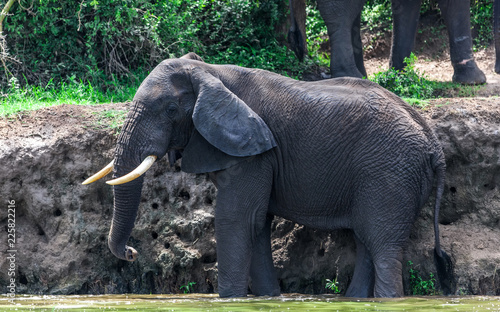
{"x": 496, "y": 32}
{"x": 127, "y": 198}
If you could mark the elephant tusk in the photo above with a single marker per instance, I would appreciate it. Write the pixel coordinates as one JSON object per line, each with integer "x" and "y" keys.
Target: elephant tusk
{"x": 143, "y": 167}
{"x": 104, "y": 171}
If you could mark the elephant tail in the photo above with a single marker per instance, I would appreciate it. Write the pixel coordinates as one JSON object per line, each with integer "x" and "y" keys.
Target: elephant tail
{"x": 442, "y": 260}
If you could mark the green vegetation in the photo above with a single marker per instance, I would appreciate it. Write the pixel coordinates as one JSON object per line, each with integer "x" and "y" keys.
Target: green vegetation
{"x": 408, "y": 83}
{"x": 333, "y": 285}
{"x": 189, "y": 288}
{"x": 105, "y": 40}
{"x": 96, "y": 51}
{"x": 418, "y": 285}
{"x": 111, "y": 119}
{"x": 30, "y": 97}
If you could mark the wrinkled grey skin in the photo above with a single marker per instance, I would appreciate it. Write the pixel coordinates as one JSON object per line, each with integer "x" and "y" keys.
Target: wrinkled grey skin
{"x": 342, "y": 18}
{"x": 340, "y": 153}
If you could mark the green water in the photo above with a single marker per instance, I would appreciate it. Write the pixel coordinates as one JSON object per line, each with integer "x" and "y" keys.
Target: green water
{"x": 288, "y": 302}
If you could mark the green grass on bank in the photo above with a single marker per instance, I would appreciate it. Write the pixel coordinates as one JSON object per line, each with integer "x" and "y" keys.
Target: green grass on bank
{"x": 104, "y": 54}
{"x": 31, "y": 97}
{"x": 411, "y": 85}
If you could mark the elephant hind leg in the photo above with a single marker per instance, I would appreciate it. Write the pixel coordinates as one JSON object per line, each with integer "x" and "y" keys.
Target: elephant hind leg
{"x": 388, "y": 275}
{"x": 456, "y": 15}
{"x": 363, "y": 279}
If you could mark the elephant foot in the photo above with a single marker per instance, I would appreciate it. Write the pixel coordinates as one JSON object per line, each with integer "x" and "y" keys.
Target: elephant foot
{"x": 467, "y": 73}
{"x": 267, "y": 291}
{"x": 346, "y": 72}
{"x": 497, "y": 66}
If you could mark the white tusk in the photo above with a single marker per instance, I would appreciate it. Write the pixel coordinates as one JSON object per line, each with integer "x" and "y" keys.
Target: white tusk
{"x": 104, "y": 171}
{"x": 143, "y": 167}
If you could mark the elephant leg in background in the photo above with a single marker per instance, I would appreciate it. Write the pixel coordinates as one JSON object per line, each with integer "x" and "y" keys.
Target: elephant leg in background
{"x": 342, "y": 18}
{"x": 357, "y": 45}
{"x": 405, "y": 14}
{"x": 496, "y": 32}
{"x": 363, "y": 279}
{"x": 240, "y": 221}
{"x": 456, "y": 14}
{"x": 262, "y": 272}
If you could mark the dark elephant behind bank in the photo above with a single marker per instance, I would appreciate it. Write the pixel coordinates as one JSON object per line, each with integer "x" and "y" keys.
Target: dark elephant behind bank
{"x": 339, "y": 153}
{"x": 343, "y": 20}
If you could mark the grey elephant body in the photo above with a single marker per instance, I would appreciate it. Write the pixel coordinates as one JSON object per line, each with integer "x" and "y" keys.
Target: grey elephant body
{"x": 340, "y": 153}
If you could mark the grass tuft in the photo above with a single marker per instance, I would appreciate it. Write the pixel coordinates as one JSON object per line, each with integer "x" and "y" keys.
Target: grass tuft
{"x": 18, "y": 98}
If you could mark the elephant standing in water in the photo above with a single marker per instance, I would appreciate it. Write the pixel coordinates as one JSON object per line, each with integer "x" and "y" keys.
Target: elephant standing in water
{"x": 333, "y": 154}
{"x": 343, "y": 19}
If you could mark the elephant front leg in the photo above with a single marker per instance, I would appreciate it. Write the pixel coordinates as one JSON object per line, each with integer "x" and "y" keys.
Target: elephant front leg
{"x": 240, "y": 226}
{"x": 405, "y": 15}
{"x": 456, "y": 14}
{"x": 262, "y": 272}
{"x": 342, "y": 19}
{"x": 233, "y": 256}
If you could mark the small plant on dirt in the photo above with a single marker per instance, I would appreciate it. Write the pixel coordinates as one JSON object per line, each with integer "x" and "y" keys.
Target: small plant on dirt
{"x": 112, "y": 119}
{"x": 333, "y": 285}
{"x": 189, "y": 288}
{"x": 407, "y": 82}
{"x": 419, "y": 286}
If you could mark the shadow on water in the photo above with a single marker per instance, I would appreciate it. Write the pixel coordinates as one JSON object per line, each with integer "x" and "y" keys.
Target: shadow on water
{"x": 204, "y": 302}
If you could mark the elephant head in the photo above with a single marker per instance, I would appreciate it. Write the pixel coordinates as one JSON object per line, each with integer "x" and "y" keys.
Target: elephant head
{"x": 182, "y": 106}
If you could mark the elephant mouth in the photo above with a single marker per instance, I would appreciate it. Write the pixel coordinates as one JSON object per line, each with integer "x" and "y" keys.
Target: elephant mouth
{"x": 173, "y": 156}
{"x": 134, "y": 174}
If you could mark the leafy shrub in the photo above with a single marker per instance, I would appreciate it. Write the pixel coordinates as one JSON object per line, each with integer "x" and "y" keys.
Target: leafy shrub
{"x": 333, "y": 285}
{"x": 482, "y": 22}
{"x": 418, "y": 285}
{"x": 106, "y": 41}
{"x": 406, "y": 83}
{"x": 317, "y": 34}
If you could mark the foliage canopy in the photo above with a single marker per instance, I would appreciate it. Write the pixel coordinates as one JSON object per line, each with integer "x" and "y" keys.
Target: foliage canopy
{"x": 109, "y": 44}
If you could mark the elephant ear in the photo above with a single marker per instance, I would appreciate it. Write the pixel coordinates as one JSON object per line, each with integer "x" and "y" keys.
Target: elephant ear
{"x": 192, "y": 56}
{"x": 225, "y": 121}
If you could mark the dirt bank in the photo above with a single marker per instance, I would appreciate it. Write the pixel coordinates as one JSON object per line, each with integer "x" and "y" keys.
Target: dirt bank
{"x": 62, "y": 226}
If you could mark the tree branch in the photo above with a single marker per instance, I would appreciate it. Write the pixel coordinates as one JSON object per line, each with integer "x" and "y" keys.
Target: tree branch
{"x": 5, "y": 10}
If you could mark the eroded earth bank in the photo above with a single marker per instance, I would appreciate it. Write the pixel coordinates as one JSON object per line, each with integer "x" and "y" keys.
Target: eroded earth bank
{"x": 62, "y": 226}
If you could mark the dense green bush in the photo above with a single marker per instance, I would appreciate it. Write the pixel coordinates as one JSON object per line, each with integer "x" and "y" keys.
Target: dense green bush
{"x": 110, "y": 43}
{"x": 409, "y": 82}
{"x": 104, "y": 41}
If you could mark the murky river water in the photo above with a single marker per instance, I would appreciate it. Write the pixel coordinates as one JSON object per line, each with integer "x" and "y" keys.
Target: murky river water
{"x": 287, "y": 302}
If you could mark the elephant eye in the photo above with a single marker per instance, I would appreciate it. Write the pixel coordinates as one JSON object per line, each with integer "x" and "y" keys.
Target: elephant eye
{"x": 172, "y": 110}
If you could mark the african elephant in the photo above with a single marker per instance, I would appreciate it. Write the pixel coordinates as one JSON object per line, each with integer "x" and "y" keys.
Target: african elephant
{"x": 339, "y": 153}
{"x": 343, "y": 19}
